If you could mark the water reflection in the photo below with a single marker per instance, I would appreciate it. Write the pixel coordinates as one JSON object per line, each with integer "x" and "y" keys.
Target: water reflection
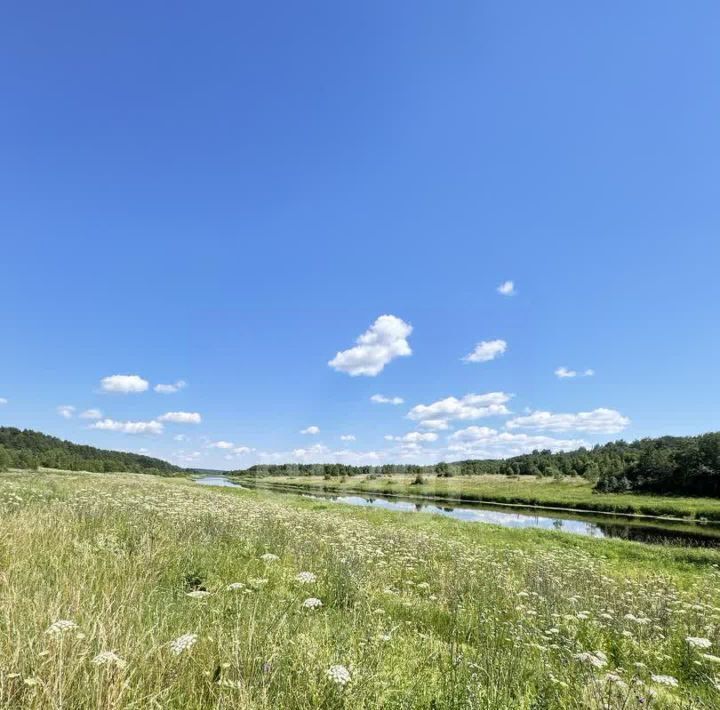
{"x": 601, "y": 526}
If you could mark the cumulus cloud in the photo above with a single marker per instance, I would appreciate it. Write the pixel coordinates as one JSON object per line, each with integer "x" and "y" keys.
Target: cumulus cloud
{"x": 172, "y": 388}
{"x": 123, "y": 384}
{"x": 601, "y": 420}
{"x": 181, "y": 417}
{"x": 3, "y": 400}
{"x": 179, "y": 437}
{"x": 311, "y": 430}
{"x": 382, "y": 399}
{"x": 66, "y": 410}
{"x": 150, "y": 427}
{"x": 486, "y": 350}
{"x": 413, "y": 437}
{"x": 347, "y": 437}
{"x": 91, "y": 414}
{"x": 221, "y": 445}
{"x": 240, "y": 450}
{"x": 385, "y": 340}
{"x": 506, "y": 288}
{"x": 564, "y": 373}
{"x": 471, "y": 406}
{"x": 485, "y": 442}
{"x": 437, "y": 424}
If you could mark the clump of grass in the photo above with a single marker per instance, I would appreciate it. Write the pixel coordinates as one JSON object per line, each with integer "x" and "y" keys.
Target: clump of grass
{"x": 134, "y": 592}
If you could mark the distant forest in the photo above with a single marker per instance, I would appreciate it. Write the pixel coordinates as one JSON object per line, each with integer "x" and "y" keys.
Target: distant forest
{"x": 670, "y": 464}
{"x": 30, "y": 449}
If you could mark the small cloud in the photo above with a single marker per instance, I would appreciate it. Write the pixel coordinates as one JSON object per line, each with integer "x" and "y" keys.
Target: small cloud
{"x": 413, "y": 437}
{"x": 179, "y": 437}
{"x": 385, "y": 340}
{"x": 66, "y": 410}
{"x": 486, "y": 350}
{"x": 172, "y": 388}
{"x": 565, "y": 373}
{"x": 181, "y": 417}
{"x": 91, "y": 414}
{"x": 123, "y": 384}
{"x": 3, "y": 400}
{"x": 506, "y": 288}
{"x": 382, "y": 399}
{"x": 143, "y": 450}
{"x": 471, "y": 406}
{"x": 347, "y": 437}
{"x": 151, "y": 427}
{"x": 311, "y": 430}
{"x": 221, "y": 445}
{"x": 240, "y": 450}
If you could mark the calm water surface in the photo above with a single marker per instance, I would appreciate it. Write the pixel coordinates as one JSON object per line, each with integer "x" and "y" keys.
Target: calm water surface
{"x": 602, "y": 526}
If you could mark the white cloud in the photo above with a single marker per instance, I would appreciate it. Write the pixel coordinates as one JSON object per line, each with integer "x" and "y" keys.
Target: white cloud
{"x": 181, "y": 417}
{"x": 347, "y": 437}
{"x": 319, "y": 453}
{"x": 484, "y": 442}
{"x": 221, "y": 445}
{"x": 564, "y": 372}
{"x": 471, "y": 406}
{"x": 486, "y": 350}
{"x": 434, "y": 424}
{"x": 188, "y": 457}
{"x": 151, "y": 427}
{"x": 382, "y": 399}
{"x": 601, "y": 420}
{"x": 3, "y": 400}
{"x": 66, "y": 410}
{"x": 385, "y": 340}
{"x": 311, "y": 430}
{"x": 506, "y": 288}
{"x": 240, "y": 450}
{"x": 413, "y": 437}
{"x": 179, "y": 437}
{"x": 91, "y": 414}
{"x": 170, "y": 389}
{"x": 124, "y": 384}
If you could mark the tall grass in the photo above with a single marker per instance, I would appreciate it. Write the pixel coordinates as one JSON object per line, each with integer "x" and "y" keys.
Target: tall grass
{"x": 186, "y": 597}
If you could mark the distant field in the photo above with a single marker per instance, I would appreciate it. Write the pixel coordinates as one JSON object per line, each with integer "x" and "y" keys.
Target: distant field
{"x": 133, "y": 591}
{"x": 568, "y": 493}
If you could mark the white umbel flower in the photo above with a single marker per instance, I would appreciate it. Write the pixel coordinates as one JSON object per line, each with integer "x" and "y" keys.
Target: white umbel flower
{"x": 697, "y": 642}
{"x": 61, "y": 626}
{"x": 339, "y": 675}
{"x": 109, "y": 658}
{"x": 305, "y": 577}
{"x": 183, "y": 643}
{"x": 269, "y": 557}
{"x": 198, "y": 594}
{"x": 665, "y": 680}
{"x": 312, "y": 603}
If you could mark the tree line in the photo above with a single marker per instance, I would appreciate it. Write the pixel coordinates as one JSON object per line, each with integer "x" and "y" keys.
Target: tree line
{"x": 687, "y": 465}
{"x": 27, "y": 449}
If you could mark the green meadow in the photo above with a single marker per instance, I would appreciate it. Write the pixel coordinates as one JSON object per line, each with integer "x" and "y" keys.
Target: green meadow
{"x": 133, "y": 591}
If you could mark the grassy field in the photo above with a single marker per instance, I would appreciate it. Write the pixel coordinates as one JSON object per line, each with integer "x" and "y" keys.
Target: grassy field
{"x": 566, "y": 493}
{"x": 129, "y": 591}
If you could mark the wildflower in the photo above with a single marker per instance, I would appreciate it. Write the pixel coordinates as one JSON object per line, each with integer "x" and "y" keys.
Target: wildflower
{"x": 697, "y": 642}
{"x": 710, "y": 657}
{"x": 339, "y": 675}
{"x": 665, "y": 680}
{"x": 269, "y": 557}
{"x": 198, "y": 594}
{"x": 60, "y": 626}
{"x": 257, "y": 582}
{"x": 312, "y": 603}
{"x": 597, "y": 659}
{"x": 109, "y": 658}
{"x": 234, "y": 586}
{"x": 305, "y": 577}
{"x": 183, "y": 643}
{"x": 31, "y": 682}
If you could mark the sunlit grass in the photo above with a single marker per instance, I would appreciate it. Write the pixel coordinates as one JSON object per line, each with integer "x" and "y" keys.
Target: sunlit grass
{"x": 140, "y": 592}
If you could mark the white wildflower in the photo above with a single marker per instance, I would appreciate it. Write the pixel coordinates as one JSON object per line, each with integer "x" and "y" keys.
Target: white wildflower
{"x": 305, "y": 577}
{"x": 109, "y": 658}
{"x": 697, "y": 642}
{"x": 60, "y": 626}
{"x": 234, "y": 586}
{"x": 198, "y": 594}
{"x": 312, "y": 603}
{"x": 339, "y": 675}
{"x": 183, "y": 643}
{"x": 269, "y": 557}
{"x": 665, "y": 680}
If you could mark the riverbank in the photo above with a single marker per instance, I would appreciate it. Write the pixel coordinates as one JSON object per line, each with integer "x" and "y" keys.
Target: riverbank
{"x": 568, "y": 493}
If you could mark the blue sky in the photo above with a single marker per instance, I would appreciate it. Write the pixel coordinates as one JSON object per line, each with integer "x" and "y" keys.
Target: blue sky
{"x": 229, "y": 195}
